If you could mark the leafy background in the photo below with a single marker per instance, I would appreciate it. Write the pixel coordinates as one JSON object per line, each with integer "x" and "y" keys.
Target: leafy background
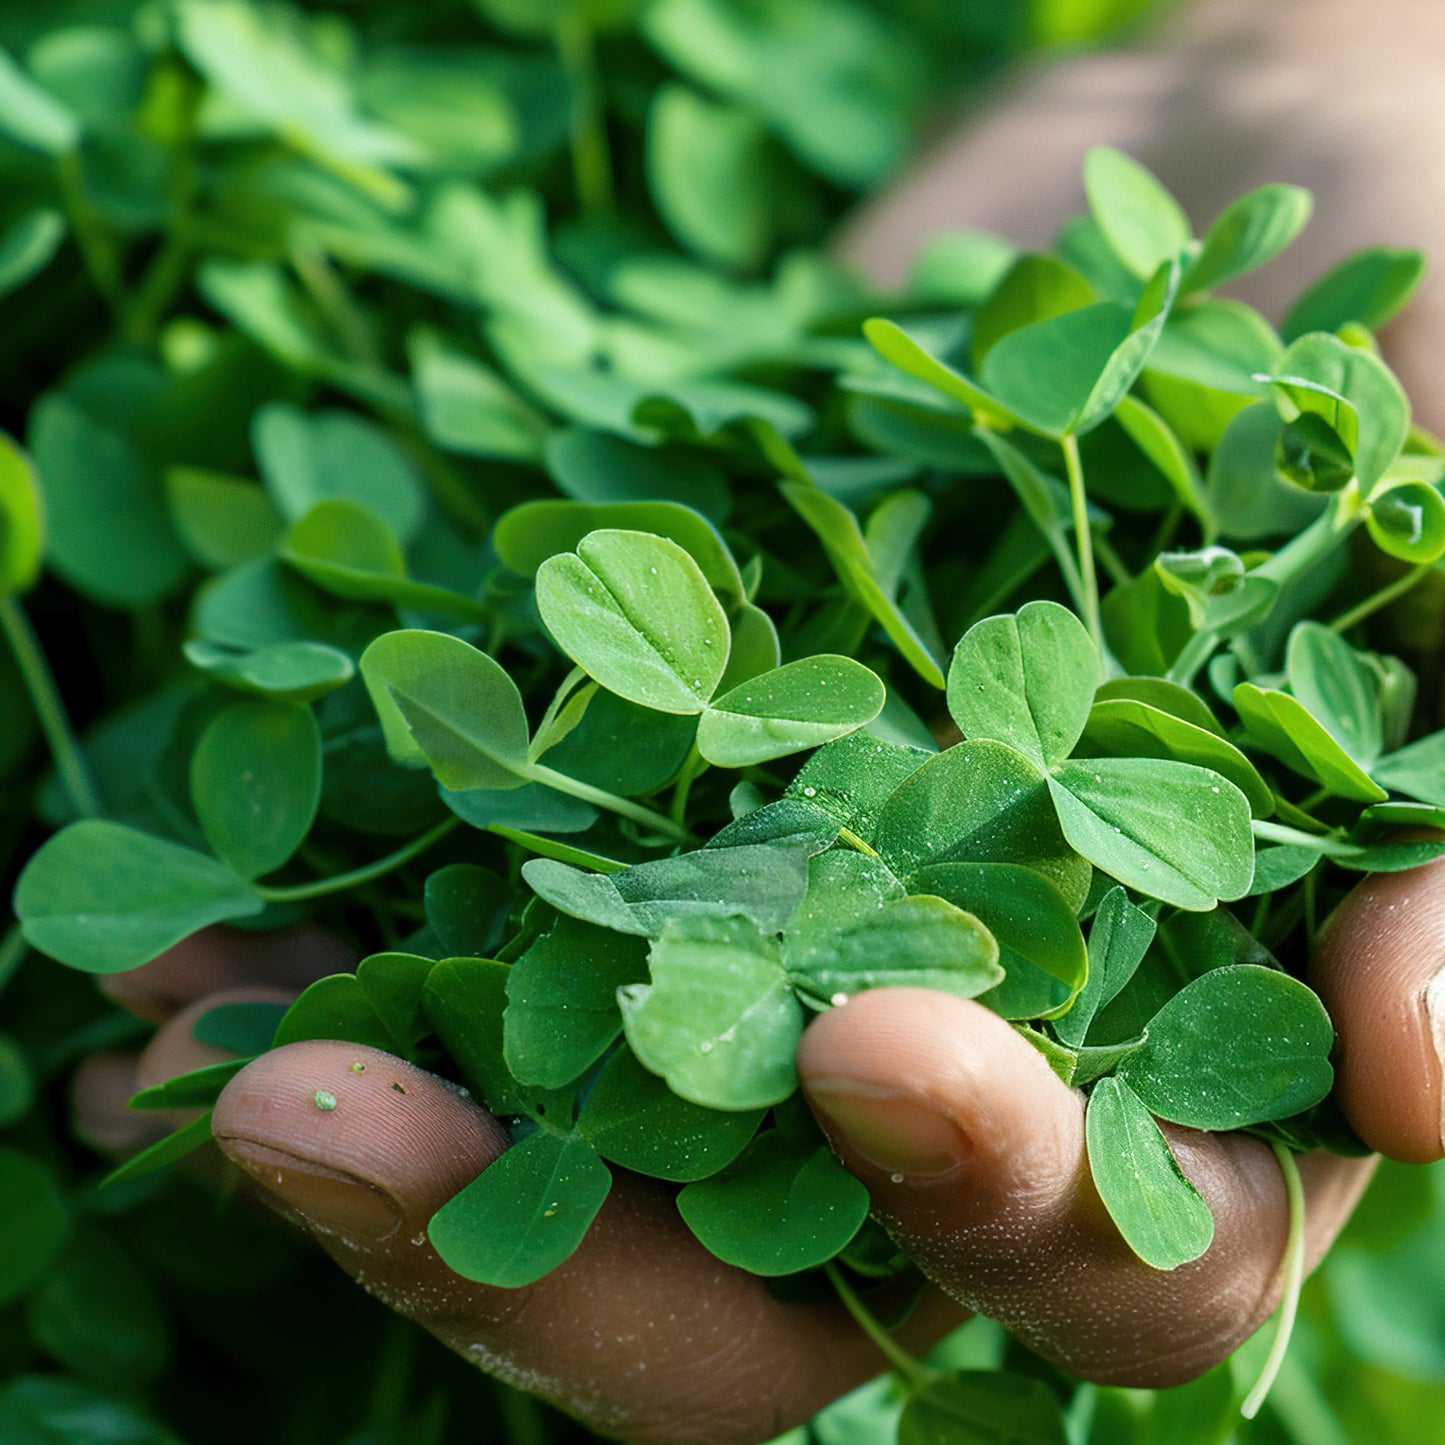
{"x": 273, "y": 206}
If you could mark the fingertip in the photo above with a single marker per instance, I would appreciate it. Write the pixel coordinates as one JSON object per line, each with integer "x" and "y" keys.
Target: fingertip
{"x": 1379, "y": 966}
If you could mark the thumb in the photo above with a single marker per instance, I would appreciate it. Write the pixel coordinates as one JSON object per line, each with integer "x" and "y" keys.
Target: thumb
{"x": 973, "y": 1151}
{"x": 641, "y": 1332}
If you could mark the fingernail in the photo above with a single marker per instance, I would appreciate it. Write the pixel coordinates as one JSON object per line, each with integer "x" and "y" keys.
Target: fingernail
{"x": 326, "y": 1199}
{"x": 897, "y": 1133}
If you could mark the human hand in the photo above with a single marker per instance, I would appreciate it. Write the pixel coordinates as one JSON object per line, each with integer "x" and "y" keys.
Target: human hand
{"x": 973, "y": 1152}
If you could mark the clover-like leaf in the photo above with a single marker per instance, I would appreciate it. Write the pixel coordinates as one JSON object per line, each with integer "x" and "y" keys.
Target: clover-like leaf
{"x": 800, "y": 705}
{"x": 1285, "y": 728}
{"x": 1025, "y": 680}
{"x": 635, "y": 612}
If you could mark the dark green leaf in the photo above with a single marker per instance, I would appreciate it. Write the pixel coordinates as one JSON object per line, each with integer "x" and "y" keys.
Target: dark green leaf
{"x": 1119, "y": 937}
{"x": 1237, "y": 1046}
{"x": 776, "y": 1210}
{"x": 976, "y": 1407}
{"x": 523, "y": 1215}
{"x": 467, "y": 908}
{"x": 37, "y": 1221}
{"x": 1283, "y": 726}
{"x": 170, "y": 1150}
{"x": 1157, "y": 1210}
{"x": 105, "y": 898}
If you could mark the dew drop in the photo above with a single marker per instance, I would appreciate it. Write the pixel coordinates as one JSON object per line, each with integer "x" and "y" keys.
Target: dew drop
{"x": 358, "y": 1067}
{"x": 838, "y": 1000}
{"x": 325, "y": 1101}
{"x": 810, "y": 792}
{"x": 896, "y": 1178}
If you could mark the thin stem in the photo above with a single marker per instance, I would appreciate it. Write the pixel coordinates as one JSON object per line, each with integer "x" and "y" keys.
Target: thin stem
{"x": 322, "y": 887}
{"x": 1113, "y": 563}
{"x": 159, "y": 287}
{"x": 1297, "y": 838}
{"x": 1294, "y": 1275}
{"x": 1317, "y": 540}
{"x": 54, "y": 722}
{"x": 96, "y": 249}
{"x": 624, "y": 807}
{"x": 1197, "y": 651}
{"x": 12, "y": 952}
{"x": 692, "y": 769}
{"x": 562, "y": 852}
{"x": 1083, "y": 539}
{"x": 1383, "y": 598}
{"x": 591, "y": 160}
{"x": 846, "y": 835}
{"x": 917, "y": 1375}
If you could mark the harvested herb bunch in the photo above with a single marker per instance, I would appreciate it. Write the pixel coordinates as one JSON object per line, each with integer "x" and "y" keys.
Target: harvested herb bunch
{"x": 625, "y": 767}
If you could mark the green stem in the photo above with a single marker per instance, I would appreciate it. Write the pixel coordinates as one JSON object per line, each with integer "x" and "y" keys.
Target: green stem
{"x": 1197, "y": 651}
{"x": 916, "y": 1374}
{"x": 846, "y": 835}
{"x": 322, "y": 887}
{"x": 1113, "y": 562}
{"x": 1294, "y": 1275}
{"x": 692, "y": 769}
{"x": 1296, "y": 838}
{"x": 591, "y": 160}
{"x": 96, "y": 249}
{"x": 159, "y": 287}
{"x": 610, "y": 802}
{"x": 45, "y": 696}
{"x": 12, "y": 952}
{"x": 1317, "y": 540}
{"x": 1083, "y": 539}
{"x": 1383, "y": 598}
{"x": 562, "y": 852}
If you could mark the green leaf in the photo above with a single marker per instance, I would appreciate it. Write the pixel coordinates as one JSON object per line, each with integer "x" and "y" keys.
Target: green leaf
{"x": 562, "y": 1011}
{"x": 718, "y": 1021}
{"x": 623, "y": 748}
{"x": 1167, "y": 697}
{"x": 18, "y": 1083}
{"x": 1350, "y": 390}
{"x": 1144, "y": 224}
{"x": 464, "y": 999}
{"x": 1026, "y": 680}
{"x": 837, "y": 529}
{"x": 857, "y": 929}
{"x": 800, "y": 705}
{"x": 851, "y": 779}
{"x": 239, "y": 1028}
{"x": 1040, "y": 947}
{"x": 1036, "y": 287}
{"x": 763, "y": 883}
{"x": 295, "y": 672}
{"x": 108, "y": 531}
{"x": 1221, "y": 594}
{"x": 1331, "y": 680}
{"x": 1247, "y": 234}
{"x": 979, "y": 802}
{"x": 28, "y": 246}
{"x": 466, "y": 407}
{"x": 467, "y": 908}
{"x": 1418, "y": 771}
{"x": 1368, "y": 287}
{"x": 170, "y": 1150}
{"x": 336, "y": 1007}
{"x": 1171, "y": 830}
{"x": 1282, "y": 726}
{"x": 347, "y": 550}
{"x": 1236, "y": 1047}
{"x": 776, "y": 1210}
{"x": 1408, "y": 522}
{"x": 256, "y": 783}
{"x": 710, "y": 176}
{"x": 1119, "y": 937}
{"x": 594, "y": 466}
{"x": 37, "y": 1221}
{"x": 1125, "y": 728}
{"x": 222, "y": 521}
{"x": 57, "y": 1410}
{"x": 22, "y": 529}
{"x": 635, "y": 613}
{"x": 198, "y": 1089}
{"x": 105, "y": 898}
{"x": 1157, "y": 1210}
{"x": 527, "y": 535}
{"x": 31, "y": 116}
{"x": 978, "y": 1407}
{"x": 894, "y": 344}
{"x": 468, "y": 712}
{"x": 634, "y": 1120}
{"x": 524, "y": 1214}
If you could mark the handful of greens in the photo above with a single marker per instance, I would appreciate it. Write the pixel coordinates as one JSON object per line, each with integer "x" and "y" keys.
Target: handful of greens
{"x": 1088, "y": 508}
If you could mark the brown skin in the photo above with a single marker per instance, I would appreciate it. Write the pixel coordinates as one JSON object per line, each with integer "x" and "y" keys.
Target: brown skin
{"x": 644, "y": 1335}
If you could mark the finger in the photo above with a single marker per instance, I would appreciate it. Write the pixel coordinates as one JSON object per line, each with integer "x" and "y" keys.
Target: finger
{"x": 221, "y": 958}
{"x": 973, "y": 1151}
{"x": 1236, "y": 71}
{"x": 1380, "y": 968}
{"x": 105, "y": 1083}
{"x": 641, "y": 1333}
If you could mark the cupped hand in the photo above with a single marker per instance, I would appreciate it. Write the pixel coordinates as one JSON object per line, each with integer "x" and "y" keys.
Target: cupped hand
{"x": 973, "y": 1152}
